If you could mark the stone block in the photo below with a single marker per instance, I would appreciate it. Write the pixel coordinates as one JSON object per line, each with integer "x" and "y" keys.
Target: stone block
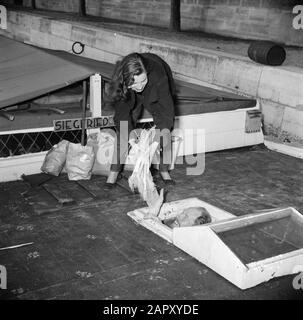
{"x": 272, "y": 113}
{"x": 293, "y": 122}
{"x": 214, "y": 25}
{"x": 59, "y": 43}
{"x": 204, "y": 2}
{"x": 12, "y": 16}
{"x": 251, "y": 3}
{"x": 225, "y": 12}
{"x": 219, "y": 2}
{"x": 282, "y": 85}
{"x": 242, "y": 11}
{"x": 116, "y": 43}
{"x": 45, "y": 26}
{"x": 280, "y": 27}
{"x": 85, "y": 35}
{"x": 256, "y": 31}
{"x": 235, "y": 3}
{"x": 295, "y": 37}
{"x": 276, "y": 3}
{"x": 101, "y": 55}
{"x": 238, "y": 75}
{"x": 198, "y": 65}
{"x": 24, "y": 19}
{"x": 35, "y": 22}
{"x": 39, "y": 39}
{"x": 62, "y": 29}
{"x": 258, "y": 14}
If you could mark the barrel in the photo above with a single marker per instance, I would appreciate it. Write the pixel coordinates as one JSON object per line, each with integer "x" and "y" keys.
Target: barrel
{"x": 267, "y": 52}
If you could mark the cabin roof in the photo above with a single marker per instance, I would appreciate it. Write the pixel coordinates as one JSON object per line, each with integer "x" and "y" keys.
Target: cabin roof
{"x": 27, "y": 72}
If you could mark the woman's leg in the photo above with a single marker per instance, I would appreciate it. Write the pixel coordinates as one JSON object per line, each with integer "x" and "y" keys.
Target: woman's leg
{"x": 119, "y": 157}
{"x": 165, "y": 155}
{"x": 122, "y": 146}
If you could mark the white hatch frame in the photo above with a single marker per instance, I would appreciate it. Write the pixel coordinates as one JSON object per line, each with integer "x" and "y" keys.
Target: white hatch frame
{"x": 203, "y": 243}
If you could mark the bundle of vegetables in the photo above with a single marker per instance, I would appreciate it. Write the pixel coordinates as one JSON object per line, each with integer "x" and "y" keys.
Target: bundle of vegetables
{"x": 141, "y": 178}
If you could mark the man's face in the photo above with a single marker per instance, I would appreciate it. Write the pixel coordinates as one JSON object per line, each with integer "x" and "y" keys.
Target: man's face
{"x": 189, "y": 215}
{"x": 140, "y": 82}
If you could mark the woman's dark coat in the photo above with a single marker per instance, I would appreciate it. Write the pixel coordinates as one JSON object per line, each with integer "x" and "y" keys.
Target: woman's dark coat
{"x": 157, "y": 96}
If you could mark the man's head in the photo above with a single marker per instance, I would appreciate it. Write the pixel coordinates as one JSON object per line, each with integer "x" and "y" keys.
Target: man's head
{"x": 192, "y": 216}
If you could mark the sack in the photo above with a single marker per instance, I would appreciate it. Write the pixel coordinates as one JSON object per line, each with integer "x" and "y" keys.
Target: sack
{"x": 103, "y": 144}
{"x": 55, "y": 158}
{"x": 79, "y": 161}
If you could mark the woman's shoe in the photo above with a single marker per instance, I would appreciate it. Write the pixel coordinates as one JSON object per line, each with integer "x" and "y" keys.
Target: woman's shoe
{"x": 112, "y": 178}
{"x": 110, "y": 185}
{"x": 167, "y": 179}
{"x": 169, "y": 182}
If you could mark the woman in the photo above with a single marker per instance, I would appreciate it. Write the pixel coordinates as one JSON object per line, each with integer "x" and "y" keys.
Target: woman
{"x": 142, "y": 81}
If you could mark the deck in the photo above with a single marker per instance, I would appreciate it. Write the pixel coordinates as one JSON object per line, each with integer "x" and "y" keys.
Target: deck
{"x": 86, "y": 247}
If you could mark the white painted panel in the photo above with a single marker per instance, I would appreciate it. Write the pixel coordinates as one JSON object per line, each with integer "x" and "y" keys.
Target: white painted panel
{"x": 11, "y": 168}
{"x": 223, "y": 130}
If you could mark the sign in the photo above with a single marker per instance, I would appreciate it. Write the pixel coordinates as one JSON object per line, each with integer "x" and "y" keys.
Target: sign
{"x": 3, "y": 17}
{"x": 76, "y": 124}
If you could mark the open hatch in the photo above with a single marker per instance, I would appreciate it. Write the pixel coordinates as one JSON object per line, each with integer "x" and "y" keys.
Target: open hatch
{"x": 246, "y": 250}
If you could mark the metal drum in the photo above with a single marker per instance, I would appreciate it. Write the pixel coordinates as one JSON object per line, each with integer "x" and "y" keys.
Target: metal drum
{"x": 267, "y": 52}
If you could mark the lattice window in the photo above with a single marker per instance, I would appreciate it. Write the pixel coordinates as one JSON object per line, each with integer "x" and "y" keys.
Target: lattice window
{"x": 33, "y": 142}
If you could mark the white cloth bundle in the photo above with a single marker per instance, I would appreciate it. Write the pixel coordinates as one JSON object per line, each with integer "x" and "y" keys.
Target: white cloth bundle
{"x": 141, "y": 177}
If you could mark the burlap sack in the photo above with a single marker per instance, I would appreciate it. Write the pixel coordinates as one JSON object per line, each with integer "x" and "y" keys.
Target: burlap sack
{"x": 79, "y": 161}
{"x": 55, "y": 158}
{"x": 103, "y": 144}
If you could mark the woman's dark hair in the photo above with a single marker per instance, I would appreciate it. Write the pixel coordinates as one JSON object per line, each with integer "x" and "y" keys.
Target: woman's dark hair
{"x": 123, "y": 76}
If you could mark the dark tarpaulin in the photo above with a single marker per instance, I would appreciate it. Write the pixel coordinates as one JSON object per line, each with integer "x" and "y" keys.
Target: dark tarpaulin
{"x": 27, "y": 72}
